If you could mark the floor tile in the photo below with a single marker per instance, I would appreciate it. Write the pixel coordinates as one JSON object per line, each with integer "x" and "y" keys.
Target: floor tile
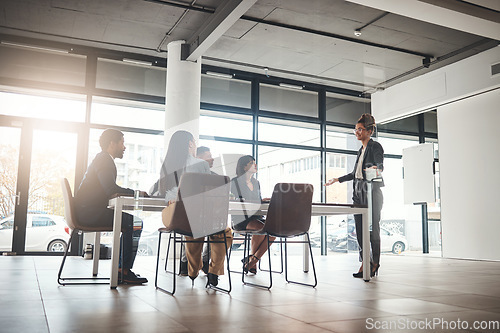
{"x": 410, "y": 290}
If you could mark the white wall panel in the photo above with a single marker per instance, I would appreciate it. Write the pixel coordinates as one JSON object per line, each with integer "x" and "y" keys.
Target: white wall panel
{"x": 469, "y": 176}
{"x": 444, "y": 85}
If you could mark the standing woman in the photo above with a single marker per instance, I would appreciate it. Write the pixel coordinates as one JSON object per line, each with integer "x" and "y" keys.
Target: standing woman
{"x": 370, "y": 155}
{"x": 181, "y": 158}
{"x": 245, "y": 187}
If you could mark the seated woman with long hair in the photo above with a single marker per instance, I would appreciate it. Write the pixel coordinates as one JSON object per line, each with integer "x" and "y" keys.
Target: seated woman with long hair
{"x": 245, "y": 187}
{"x": 181, "y": 158}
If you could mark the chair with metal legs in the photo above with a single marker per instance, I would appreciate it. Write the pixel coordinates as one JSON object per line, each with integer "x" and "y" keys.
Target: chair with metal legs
{"x": 77, "y": 227}
{"x": 201, "y": 210}
{"x": 288, "y": 216}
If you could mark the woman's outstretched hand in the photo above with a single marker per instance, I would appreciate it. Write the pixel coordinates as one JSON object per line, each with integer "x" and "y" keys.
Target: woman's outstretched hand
{"x": 331, "y": 181}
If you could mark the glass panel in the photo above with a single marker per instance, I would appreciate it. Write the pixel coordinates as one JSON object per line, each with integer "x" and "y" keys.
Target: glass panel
{"x": 19, "y": 62}
{"x": 342, "y": 109}
{"x": 341, "y": 138}
{"x": 225, "y": 155}
{"x": 44, "y": 105}
{"x": 291, "y": 132}
{"x": 409, "y": 124}
{"x": 9, "y": 158}
{"x": 290, "y": 101}
{"x": 338, "y": 165}
{"x": 395, "y": 146}
{"x": 276, "y": 165}
{"x": 403, "y": 221}
{"x": 224, "y": 91}
{"x": 434, "y": 211}
{"x": 119, "y": 112}
{"x": 340, "y": 227}
{"x": 53, "y": 157}
{"x": 120, "y": 76}
{"x": 223, "y": 124}
{"x": 341, "y": 234}
{"x": 430, "y": 121}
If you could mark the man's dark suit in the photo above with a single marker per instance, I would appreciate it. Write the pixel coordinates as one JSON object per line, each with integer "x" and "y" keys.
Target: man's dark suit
{"x": 92, "y": 197}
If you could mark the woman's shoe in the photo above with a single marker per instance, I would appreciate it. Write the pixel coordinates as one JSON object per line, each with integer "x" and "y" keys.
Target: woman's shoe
{"x": 252, "y": 260}
{"x": 374, "y": 269}
{"x": 358, "y": 274}
{"x": 192, "y": 279}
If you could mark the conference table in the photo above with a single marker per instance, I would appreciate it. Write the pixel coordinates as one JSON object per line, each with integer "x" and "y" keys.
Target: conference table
{"x": 127, "y": 203}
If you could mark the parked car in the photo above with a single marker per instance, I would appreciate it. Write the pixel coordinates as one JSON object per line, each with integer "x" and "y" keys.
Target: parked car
{"x": 44, "y": 232}
{"x": 345, "y": 240}
{"x": 148, "y": 242}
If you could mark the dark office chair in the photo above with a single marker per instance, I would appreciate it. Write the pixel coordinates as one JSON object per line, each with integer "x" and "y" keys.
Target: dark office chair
{"x": 76, "y": 227}
{"x": 288, "y": 216}
{"x": 201, "y": 210}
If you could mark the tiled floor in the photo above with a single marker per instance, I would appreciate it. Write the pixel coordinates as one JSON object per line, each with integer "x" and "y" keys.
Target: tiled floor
{"x": 411, "y": 294}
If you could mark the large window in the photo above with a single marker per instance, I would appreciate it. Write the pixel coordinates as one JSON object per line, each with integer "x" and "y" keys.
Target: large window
{"x": 393, "y": 144}
{"x": 277, "y": 165}
{"x": 118, "y": 112}
{"x": 223, "y": 124}
{"x": 341, "y": 138}
{"x": 41, "y": 64}
{"x": 42, "y": 105}
{"x": 225, "y": 91}
{"x": 289, "y": 101}
{"x": 342, "y": 109}
{"x": 130, "y": 77}
{"x": 291, "y": 132}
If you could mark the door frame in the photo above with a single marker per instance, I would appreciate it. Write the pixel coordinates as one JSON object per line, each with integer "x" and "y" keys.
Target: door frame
{"x": 27, "y": 127}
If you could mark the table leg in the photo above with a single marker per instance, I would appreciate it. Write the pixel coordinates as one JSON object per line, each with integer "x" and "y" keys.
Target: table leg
{"x": 97, "y": 252}
{"x": 367, "y": 220}
{"x": 115, "y": 252}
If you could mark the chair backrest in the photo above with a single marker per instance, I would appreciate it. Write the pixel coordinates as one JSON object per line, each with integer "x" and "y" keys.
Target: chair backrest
{"x": 69, "y": 211}
{"x": 289, "y": 212}
{"x": 202, "y": 205}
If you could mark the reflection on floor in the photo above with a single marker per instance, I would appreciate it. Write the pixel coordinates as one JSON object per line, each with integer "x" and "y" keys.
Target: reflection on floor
{"x": 412, "y": 293}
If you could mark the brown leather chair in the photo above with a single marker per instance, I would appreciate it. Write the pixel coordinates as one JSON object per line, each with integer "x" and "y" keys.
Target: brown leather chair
{"x": 201, "y": 210}
{"x": 76, "y": 227}
{"x": 288, "y": 216}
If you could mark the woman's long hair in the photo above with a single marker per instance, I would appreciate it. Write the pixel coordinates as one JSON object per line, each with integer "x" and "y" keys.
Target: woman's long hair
{"x": 175, "y": 160}
{"x": 242, "y": 163}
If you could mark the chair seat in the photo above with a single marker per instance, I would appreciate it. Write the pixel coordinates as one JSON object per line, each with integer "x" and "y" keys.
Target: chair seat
{"x": 96, "y": 228}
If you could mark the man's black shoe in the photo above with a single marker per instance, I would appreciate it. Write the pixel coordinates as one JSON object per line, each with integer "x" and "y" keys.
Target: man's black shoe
{"x": 131, "y": 278}
{"x": 184, "y": 268}
{"x": 205, "y": 267}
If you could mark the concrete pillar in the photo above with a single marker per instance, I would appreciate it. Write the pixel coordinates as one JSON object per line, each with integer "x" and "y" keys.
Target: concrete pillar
{"x": 182, "y": 111}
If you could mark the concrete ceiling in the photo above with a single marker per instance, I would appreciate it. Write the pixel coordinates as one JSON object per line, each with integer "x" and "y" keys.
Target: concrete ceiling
{"x": 311, "y": 41}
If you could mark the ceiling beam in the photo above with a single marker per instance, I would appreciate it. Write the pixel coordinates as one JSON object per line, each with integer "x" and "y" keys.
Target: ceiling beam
{"x": 432, "y": 12}
{"x": 219, "y": 22}
{"x": 209, "y": 10}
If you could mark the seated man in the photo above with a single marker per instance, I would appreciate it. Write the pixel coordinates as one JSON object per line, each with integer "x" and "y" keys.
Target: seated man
{"x": 92, "y": 197}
